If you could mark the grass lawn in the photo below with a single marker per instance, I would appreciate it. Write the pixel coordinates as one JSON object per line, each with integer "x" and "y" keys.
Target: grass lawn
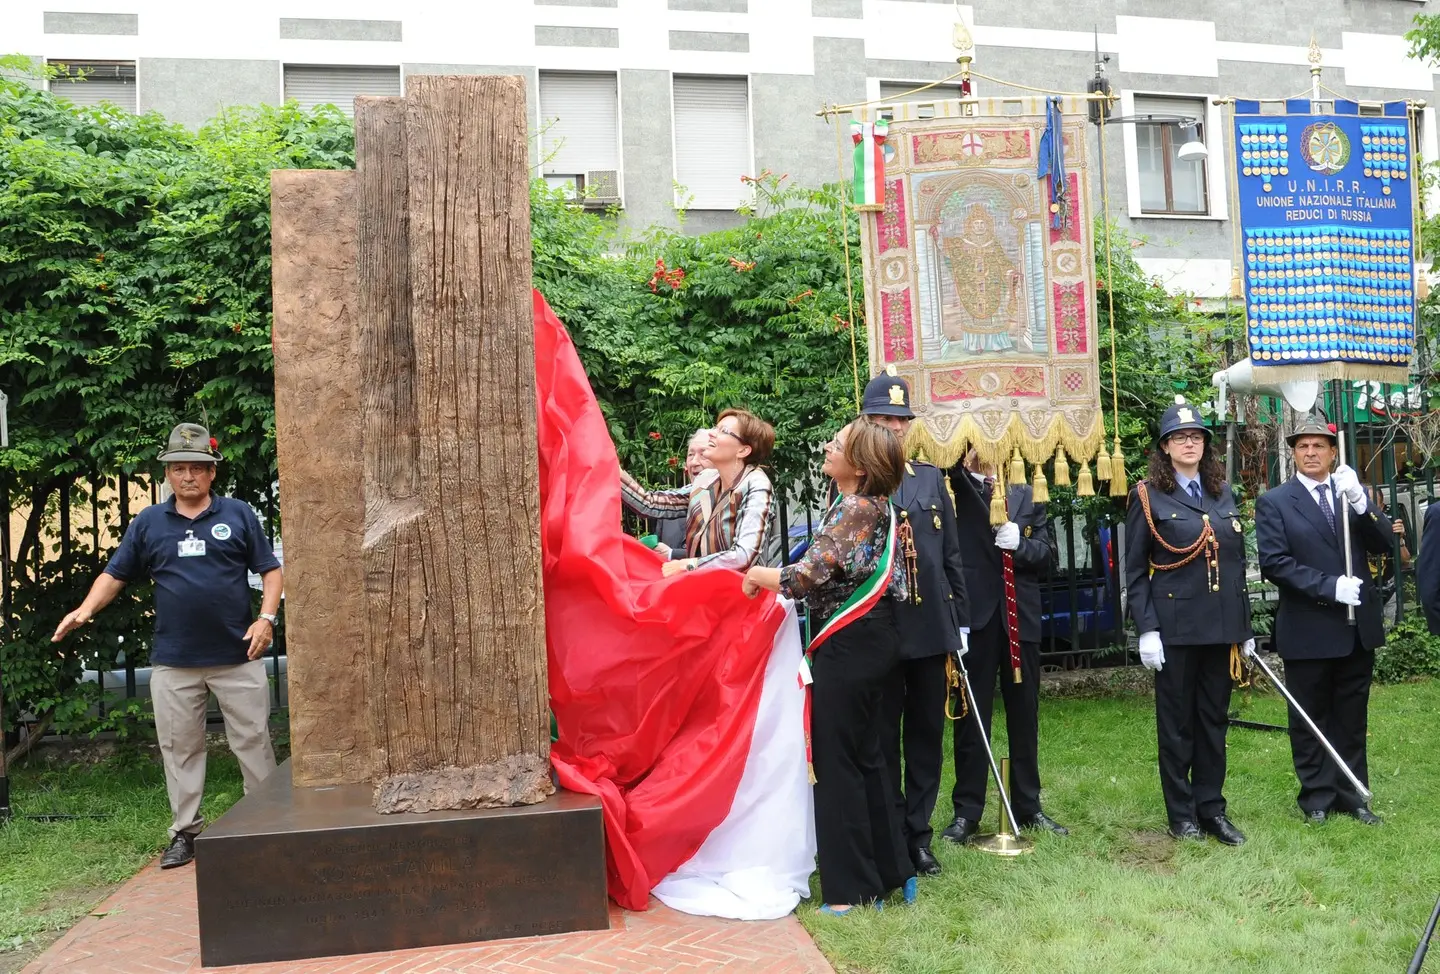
{"x": 1118, "y": 895}
{"x": 53, "y": 873}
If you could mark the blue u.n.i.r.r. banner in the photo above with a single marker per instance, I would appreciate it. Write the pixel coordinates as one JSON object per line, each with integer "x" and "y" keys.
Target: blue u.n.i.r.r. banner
{"x": 1328, "y": 257}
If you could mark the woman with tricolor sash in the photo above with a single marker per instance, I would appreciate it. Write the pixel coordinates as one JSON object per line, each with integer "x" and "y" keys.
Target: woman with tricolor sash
{"x": 849, "y": 577}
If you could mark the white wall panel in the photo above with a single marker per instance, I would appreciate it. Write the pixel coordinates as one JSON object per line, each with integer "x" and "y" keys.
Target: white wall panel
{"x": 1162, "y": 45}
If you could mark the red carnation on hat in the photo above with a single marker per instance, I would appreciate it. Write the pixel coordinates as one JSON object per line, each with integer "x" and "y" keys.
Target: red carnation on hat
{"x": 1330, "y": 427}
{"x": 214, "y": 444}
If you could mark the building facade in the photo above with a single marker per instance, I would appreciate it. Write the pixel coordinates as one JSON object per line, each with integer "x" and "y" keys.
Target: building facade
{"x": 659, "y": 105}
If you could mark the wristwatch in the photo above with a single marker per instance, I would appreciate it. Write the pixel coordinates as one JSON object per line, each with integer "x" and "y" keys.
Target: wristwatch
{"x": 270, "y": 617}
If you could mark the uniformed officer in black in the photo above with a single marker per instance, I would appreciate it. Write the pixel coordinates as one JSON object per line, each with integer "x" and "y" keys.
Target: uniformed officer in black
{"x": 1185, "y": 578}
{"x": 1027, "y": 535}
{"x": 930, "y": 622}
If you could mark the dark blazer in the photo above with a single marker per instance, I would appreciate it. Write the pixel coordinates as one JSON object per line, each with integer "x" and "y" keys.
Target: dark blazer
{"x": 1427, "y": 567}
{"x": 671, "y": 531}
{"x": 1181, "y": 603}
{"x": 931, "y": 626}
{"x": 984, "y": 570}
{"x": 1299, "y": 553}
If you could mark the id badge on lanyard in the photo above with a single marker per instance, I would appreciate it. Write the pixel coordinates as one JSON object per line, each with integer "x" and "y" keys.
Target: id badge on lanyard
{"x": 192, "y": 547}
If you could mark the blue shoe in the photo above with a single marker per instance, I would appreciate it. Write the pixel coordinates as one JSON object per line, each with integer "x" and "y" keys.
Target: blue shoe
{"x": 912, "y": 891}
{"x": 830, "y": 911}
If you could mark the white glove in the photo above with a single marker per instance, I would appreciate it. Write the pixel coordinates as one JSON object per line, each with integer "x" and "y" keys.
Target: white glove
{"x": 1007, "y": 536}
{"x": 1152, "y": 651}
{"x": 663, "y": 549}
{"x": 964, "y": 640}
{"x": 1348, "y": 485}
{"x": 1249, "y": 648}
{"x": 1347, "y": 590}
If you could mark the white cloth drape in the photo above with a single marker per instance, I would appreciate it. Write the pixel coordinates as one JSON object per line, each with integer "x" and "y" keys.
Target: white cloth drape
{"x": 756, "y": 864}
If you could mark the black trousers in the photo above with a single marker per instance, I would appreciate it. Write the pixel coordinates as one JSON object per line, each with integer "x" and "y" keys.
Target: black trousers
{"x": 861, "y": 849}
{"x": 989, "y": 659}
{"x": 1336, "y": 695}
{"x": 914, "y": 722}
{"x": 1192, "y": 714}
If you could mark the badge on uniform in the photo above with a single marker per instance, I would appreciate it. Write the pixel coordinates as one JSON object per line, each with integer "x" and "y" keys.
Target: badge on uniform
{"x": 192, "y": 547}
{"x": 220, "y": 532}
{"x": 1027, "y": 530}
{"x": 937, "y": 522}
{"x": 1236, "y": 525}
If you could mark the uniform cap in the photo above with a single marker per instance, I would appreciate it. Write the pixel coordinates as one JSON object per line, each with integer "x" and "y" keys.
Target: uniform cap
{"x": 1181, "y": 416}
{"x": 887, "y": 395}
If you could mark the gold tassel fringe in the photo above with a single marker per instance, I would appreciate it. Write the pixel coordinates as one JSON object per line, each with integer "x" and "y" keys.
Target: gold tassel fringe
{"x": 1062, "y": 468}
{"x": 996, "y": 447}
{"x": 1119, "y": 482}
{"x": 1422, "y": 287}
{"x": 1328, "y": 371}
{"x": 1102, "y": 464}
{"x": 998, "y": 514}
{"x": 1017, "y": 469}
{"x": 1039, "y": 490}
{"x": 1084, "y": 486}
{"x": 1236, "y": 293}
{"x": 810, "y": 770}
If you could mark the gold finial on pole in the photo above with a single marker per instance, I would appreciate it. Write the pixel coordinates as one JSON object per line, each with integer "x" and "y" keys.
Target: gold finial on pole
{"x": 1314, "y": 58}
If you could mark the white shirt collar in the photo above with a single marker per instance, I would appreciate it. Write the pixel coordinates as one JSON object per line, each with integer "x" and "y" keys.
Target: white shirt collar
{"x": 1311, "y": 485}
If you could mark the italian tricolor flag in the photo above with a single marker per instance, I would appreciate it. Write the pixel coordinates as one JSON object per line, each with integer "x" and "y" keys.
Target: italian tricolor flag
{"x": 868, "y": 191}
{"x": 675, "y": 698}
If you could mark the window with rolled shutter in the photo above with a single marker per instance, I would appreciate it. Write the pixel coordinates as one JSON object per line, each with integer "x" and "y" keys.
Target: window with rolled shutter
{"x": 93, "y": 82}
{"x": 314, "y": 85}
{"x": 712, "y": 142}
{"x": 898, "y": 91}
{"x": 580, "y": 127}
{"x": 904, "y": 91}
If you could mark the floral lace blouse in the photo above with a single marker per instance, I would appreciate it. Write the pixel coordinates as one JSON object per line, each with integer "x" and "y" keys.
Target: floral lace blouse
{"x": 846, "y": 549}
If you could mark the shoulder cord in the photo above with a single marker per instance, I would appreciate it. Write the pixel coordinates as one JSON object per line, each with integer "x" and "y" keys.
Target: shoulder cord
{"x": 1207, "y": 544}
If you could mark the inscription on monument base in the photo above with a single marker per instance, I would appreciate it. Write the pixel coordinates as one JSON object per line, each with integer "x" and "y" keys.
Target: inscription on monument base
{"x": 292, "y": 872}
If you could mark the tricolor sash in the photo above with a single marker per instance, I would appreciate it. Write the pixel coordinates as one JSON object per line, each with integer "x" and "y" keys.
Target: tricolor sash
{"x": 861, "y": 601}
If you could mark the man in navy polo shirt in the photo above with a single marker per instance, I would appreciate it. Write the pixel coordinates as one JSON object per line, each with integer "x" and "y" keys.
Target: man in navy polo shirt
{"x": 199, "y": 548}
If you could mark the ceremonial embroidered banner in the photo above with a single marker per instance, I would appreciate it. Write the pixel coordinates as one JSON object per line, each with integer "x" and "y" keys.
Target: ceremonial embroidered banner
{"x": 971, "y": 293}
{"x": 1327, "y": 218}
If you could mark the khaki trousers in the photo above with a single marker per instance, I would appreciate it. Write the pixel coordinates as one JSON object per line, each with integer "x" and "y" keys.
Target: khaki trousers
{"x": 179, "y": 695}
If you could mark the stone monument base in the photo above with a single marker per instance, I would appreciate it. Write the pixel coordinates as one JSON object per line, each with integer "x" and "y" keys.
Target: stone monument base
{"x": 290, "y": 873}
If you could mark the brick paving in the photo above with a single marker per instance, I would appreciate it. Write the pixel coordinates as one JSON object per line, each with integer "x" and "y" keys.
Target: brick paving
{"x": 148, "y": 926}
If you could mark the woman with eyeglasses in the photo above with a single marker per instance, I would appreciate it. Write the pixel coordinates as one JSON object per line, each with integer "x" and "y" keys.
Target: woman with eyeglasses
{"x": 850, "y": 578}
{"x": 729, "y": 508}
{"x": 1185, "y": 578}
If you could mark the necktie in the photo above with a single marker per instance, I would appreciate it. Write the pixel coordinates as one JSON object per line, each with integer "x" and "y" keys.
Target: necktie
{"x": 1322, "y": 494}
{"x": 1194, "y": 489}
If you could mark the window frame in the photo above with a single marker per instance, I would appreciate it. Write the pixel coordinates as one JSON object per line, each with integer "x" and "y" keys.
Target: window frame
{"x": 689, "y": 203}
{"x": 1215, "y": 166}
{"x": 946, "y": 91}
{"x": 88, "y": 63}
{"x": 286, "y": 65}
{"x": 1167, "y": 131}
{"x": 578, "y": 179}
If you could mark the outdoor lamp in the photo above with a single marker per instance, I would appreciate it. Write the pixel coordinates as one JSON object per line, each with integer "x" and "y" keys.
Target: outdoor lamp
{"x": 1193, "y": 148}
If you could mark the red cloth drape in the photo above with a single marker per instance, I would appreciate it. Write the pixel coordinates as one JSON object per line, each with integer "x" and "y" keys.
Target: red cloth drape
{"x": 654, "y": 683}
